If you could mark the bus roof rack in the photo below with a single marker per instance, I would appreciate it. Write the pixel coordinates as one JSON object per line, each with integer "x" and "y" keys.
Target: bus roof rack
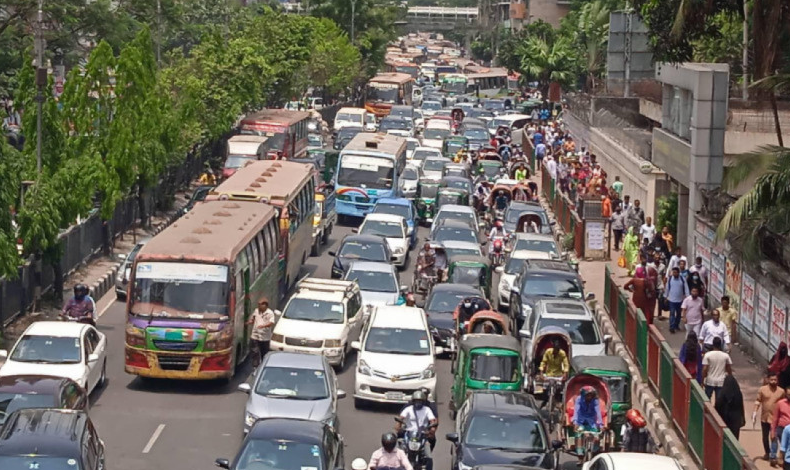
{"x": 326, "y": 285}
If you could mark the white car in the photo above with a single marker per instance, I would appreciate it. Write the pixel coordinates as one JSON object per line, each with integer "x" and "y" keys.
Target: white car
{"x": 457, "y": 212}
{"x": 430, "y": 107}
{"x": 394, "y": 229}
{"x": 378, "y": 283}
{"x": 322, "y": 317}
{"x": 432, "y": 167}
{"x": 411, "y": 145}
{"x": 512, "y": 268}
{"x": 63, "y": 349}
{"x": 408, "y": 181}
{"x": 541, "y": 245}
{"x": 421, "y": 153}
{"x": 630, "y": 460}
{"x": 434, "y": 134}
{"x": 396, "y": 356}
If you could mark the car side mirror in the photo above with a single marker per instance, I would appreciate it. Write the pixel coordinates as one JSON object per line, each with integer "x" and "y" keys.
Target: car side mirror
{"x": 404, "y": 289}
{"x": 590, "y": 296}
{"x": 341, "y": 394}
{"x": 93, "y": 357}
{"x": 356, "y": 345}
{"x": 439, "y": 350}
{"x": 524, "y": 334}
{"x": 122, "y": 256}
{"x": 222, "y": 463}
{"x": 452, "y": 437}
{"x": 607, "y": 339}
{"x": 355, "y": 230}
{"x": 499, "y": 269}
{"x": 331, "y": 253}
{"x": 244, "y": 387}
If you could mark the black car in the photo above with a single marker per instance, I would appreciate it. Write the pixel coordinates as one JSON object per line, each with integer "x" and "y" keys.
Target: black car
{"x": 359, "y": 248}
{"x": 50, "y": 438}
{"x": 288, "y": 444}
{"x": 456, "y": 230}
{"x": 517, "y": 208}
{"x": 20, "y": 392}
{"x": 542, "y": 279}
{"x": 403, "y": 112}
{"x": 396, "y": 123}
{"x": 439, "y": 306}
{"x": 199, "y": 195}
{"x": 345, "y": 135}
{"x": 500, "y": 428}
{"x": 478, "y": 137}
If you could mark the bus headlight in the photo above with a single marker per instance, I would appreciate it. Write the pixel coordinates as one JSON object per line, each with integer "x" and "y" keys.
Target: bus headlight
{"x": 135, "y": 337}
{"x": 220, "y": 340}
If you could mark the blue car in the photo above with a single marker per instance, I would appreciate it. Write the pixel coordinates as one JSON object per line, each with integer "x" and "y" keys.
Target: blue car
{"x": 404, "y": 208}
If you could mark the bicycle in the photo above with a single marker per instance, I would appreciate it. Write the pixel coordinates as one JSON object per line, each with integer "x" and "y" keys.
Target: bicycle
{"x": 552, "y": 387}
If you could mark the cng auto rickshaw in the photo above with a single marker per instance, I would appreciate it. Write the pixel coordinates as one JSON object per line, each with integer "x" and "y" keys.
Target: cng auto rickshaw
{"x": 470, "y": 270}
{"x": 593, "y": 441}
{"x": 490, "y": 168}
{"x": 485, "y": 362}
{"x": 451, "y": 196}
{"x": 615, "y": 372}
{"x": 427, "y": 190}
{"x": 453, "y": 144}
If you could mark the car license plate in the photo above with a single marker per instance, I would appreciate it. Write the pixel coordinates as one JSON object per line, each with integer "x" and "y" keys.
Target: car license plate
{"x": 395, "y": 396}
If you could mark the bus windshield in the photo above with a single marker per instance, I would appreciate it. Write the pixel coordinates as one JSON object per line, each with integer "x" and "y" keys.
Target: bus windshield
{"x": 238, "y": 161}
{"x": 180, "y": 289}
{"x": 366, "y": 171}
{"x": 454, "y": 86}
{"x": 382, "y": 92}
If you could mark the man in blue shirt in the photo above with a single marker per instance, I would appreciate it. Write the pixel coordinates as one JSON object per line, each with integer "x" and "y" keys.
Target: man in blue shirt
{"x": 675, "y": 291}
{"x": 784, "y": 446}
{"x": 587, "y": 417}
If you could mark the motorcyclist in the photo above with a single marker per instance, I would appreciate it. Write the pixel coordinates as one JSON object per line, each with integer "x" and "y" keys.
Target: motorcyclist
{"x": 636, "y": 437}
{"x": 466, "y": 309}
{"x": 418, "y": 417}
{"x": 432, "y": 405}
{"x": 389, "y": 456}
{"x": 81, "y": 305}
{"x": 497, "y": 231}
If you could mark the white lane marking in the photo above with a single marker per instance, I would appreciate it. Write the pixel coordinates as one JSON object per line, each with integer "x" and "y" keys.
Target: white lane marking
{"x": 153, "y": 439}
{"x": 106, "y": 307}
{"x": 108, "y": 300}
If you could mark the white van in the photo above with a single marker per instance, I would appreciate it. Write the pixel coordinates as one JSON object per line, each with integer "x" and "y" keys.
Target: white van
{"x": 322, "y": 317}
{"x": 355, "y": 117}
{"x": 242, "y": 149}
{"x": 515, "y": 122}
{"x": 435, "y": 132}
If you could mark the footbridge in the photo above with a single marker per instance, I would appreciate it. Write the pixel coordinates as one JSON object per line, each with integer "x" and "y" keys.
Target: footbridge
{"x": 423, "y": 18}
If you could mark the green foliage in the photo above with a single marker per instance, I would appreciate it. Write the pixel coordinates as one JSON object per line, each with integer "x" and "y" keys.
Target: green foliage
{"x": 481, "y": 50}
{"x": 667, "y": 212}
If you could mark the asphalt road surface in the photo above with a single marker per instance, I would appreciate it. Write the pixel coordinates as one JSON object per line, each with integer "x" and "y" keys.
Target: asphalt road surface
{"x": 185, "y": 425}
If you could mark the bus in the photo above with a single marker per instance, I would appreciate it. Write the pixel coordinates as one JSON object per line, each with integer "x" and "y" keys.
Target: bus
{"x": 290, "y": 188}
{"x": 454, "y": 84}
{"x": 368, "y": 169}
{"x": 192, "y": 288}
{"x": 387, "y": 89}
{"x": 489, "y": 83}
{"x": 287, "y": 131}
{"x": 401, "y": 66}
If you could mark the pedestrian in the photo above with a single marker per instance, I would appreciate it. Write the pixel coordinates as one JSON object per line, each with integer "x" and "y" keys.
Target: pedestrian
{"x": 660, "y": 245}
{"x": 262, "y": 321}
{"x": 716, "y": 364}
{"x": 647, "y": 230}
{"x": 627, "y": 204}
{"x": 631, "y": 250}
{"x": 714, "y": 328}
{"x": 729, "y": 316}
{"x": 676, "y": 258}
{"x": 606, "y": 206}
{"x": 779, "y": 424}
{"x": 618, "y": 226}
{"x": 691, "y": 356}
{"x": 729, "y": 405}
{"x": 697, "y": 267}
{"x": 661, "y": 271}
{"x": 694, "y": 281}
{"x": 767, "y": 397}
{"x": 676, "y": 290}
{"x": 618, "y": 186}
{"x": 644, "y": 291}
{"x": 636, "y": 215}
{"x": 780, "y": 365}
{"x": 668, "y": 238}
{"x": 691, "y": 310}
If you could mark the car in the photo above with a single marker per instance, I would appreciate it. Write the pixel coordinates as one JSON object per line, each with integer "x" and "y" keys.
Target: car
{"x": 396, "y": 356}
{"x": 455, "y": 170}
{"x": 288, "y": 444}
{"x": 198, "y": 195}
{"x": 315, "y": 141}
{"x": 435, "y": 132}
{"x": 421, "y": 153}
{"x": 292, "y": 385}
{"x": 456, "y": 230}
{"x": 20, "y": 392}
{"x": 432, "y": 167}
{"x": 430, "y": 107}
{"x": 63, "y": 349}
{"x": 478, "y": 137}
{"x": 409, "y": 178}
{"x": 497, "y": 427}
{"x": 392, "y": 228}
{"x": 457, "y": 212}
{"x": 453, "y": 248}
{"x": 345, "y": 134}
{"x": 480, "y": 113}
{"x": 396, "y": 125}
{"x": 439, "y": 307}
{"x": 322, "y": 317}
{"x": 401, "y": 207}
{"x": 359, "y": 248}
{"x": 46, "y": 438}
{"x": 125, "y": 269}
{"x": 458, "y": 182}
{"x": 518, "y": 208}
{"x": 508, "y": 273}
{"x": 378, "y": 283}
{"x": 540, "y": 279}
{"x": 402, "y": 111}
{"x": 411, "y": 145}
{"x": 539, "y": 245}
{"x": 629, "y": 460}
{"x": 496, "y": 106}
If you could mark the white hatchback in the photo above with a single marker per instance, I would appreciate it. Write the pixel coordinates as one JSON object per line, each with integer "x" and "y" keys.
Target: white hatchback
{"x": 64, "y": 349}
{"x": 396, "y": 356}
{"x": 394, "y": 229}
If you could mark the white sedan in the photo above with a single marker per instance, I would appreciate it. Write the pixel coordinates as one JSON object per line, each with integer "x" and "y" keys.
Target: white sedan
{"x": 629, "y": 460}
{"x": 62, "y": 349}
{"x": 394, "y": 229}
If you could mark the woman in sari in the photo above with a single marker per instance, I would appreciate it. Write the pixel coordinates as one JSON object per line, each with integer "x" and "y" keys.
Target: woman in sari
{"x": 631, "y": 250}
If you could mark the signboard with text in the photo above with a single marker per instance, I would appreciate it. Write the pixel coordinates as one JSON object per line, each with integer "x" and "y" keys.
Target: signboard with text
{"x": 748, "y": 301}
{"x": 761, "y": 312}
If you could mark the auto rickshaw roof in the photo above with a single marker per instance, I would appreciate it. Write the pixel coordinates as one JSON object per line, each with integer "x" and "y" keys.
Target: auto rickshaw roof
{"x": 602, "y": 363}
{"x": 456, "y": 138}
{"x": 480, "y": 341}
{"x": 490, "y": 162}
{"x": 455, "y": 179}
{"x": 470, "y": 259}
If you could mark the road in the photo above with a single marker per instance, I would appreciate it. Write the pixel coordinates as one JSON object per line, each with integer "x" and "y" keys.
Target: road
{"x": 184, "y": 425}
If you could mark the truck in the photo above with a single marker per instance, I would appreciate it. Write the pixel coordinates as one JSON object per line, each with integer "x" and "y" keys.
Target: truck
{"x": 325, "y": 217}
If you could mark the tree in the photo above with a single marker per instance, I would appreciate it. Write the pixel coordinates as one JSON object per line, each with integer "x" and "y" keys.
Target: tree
{"x": 591, "y": 36}
{"x": 549, "y": 62}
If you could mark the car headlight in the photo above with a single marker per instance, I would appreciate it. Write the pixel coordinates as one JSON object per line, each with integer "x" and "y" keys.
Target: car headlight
{"x": 398, "y": 251}
{"x": 527, "y": 310}
{"x": 504, "y": 285}
{"x": 332, "y": 343}
{"x": 429, "y": 373}
{"x": 277, "y": 338}
{"x": 249, "y": 419}
{"x": 461, "y": 466}
{"x": 363, "y": 367}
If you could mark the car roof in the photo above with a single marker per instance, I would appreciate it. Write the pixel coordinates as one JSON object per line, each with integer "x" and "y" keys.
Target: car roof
{"x": 294, "y": 360}
{"x": 456, "y": 207}
{"x": 53, "y": 432}
{"x": 370, "y": 266}
{"x": 550, "y": 265}
{"x": 299, "y": 430}
{"x": 429, "y": 149}
{"x": 437, "y": 157}
{"x": 459, "y": 288}
{"x": 39, "y": 384}
{"x": 454, "y": 224}
{"x": 396, "y": 201}
{"x": 535, "y": 236}
{"x": 501, "y": 402}
{"x": 383, "y": 217}
{"x": 526, "y": 205}
{"x": 364, "y": 239}
{"x": 461, "y": 244}
{"x": 564, "y": 306}
{"x": 627, "y": 460}
{"x": 392, "y": 316}
{"x": 56, "y": 328}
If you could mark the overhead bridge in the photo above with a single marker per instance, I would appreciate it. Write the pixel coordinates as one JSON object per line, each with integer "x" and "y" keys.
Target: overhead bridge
{"x": 423, "y": 18}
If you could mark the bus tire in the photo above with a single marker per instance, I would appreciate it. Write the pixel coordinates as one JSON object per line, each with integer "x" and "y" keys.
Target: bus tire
{"x": 325, "y": 235}
{"x": 315, "y": 249}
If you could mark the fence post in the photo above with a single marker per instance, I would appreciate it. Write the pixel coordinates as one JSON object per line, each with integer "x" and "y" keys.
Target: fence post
{"x": 641, "y": 343}
{"x": 607, "y": 287}
{"x": 696, "y": 420}
{"x": 622, "y": 306}
{"x": 654, "y": 341}
{"x": 630, "y": 329}
{"x": 680, "y": 398}
{"x": 665, "y": 375}
{"x": 713, "y": 434}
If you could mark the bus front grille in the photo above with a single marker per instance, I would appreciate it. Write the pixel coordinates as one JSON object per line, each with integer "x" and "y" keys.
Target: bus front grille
{"x": 174, "y": 362}
{"x": 175, "y": 345}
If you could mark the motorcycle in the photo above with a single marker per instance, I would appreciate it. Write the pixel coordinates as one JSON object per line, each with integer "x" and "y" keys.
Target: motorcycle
{"x": 497, "y": 253}
{"x": 413, "y": 444}
{"x": 88, "y": 320}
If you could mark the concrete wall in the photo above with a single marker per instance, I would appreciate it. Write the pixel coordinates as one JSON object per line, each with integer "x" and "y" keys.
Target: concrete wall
{"x": 550, "y": 11}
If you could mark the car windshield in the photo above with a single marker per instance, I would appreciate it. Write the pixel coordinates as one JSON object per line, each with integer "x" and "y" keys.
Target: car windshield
{"x": 297, "y": 384}
{"x": 394, "y": 124}
{"x": 423, "y": 154}
{"x": 47, "y": 350}
{"x": 322, "y": 311}
{"x": 494, "y": 105}
{"x": 382, "y": 228}
{"x": 238, "y": 161}
{"x": 10, "y": 402}
{"x": 394, "y": 209}
{"x": 470, "y": 275}
{"x": 538, "y": 285}
{"x": 512, "y": 215}
{"x": 181, "y": 289}
{"x": 434, "y": 164}
{"x": 364, "y": 251}
{"x": 476, "y": 133}
{"x": 506, "y": 432}
{"x": 349, "y": 117}
{"x": 348, "y": 133}
{"x": 374, "y": 281}
{"x": 456, "y": 234}
{"x": 38, "y": 462}
{"x": 453, "y": 215}
{"x": 431, "y": 105}
{"x": 410, "y": 174}
{"x": 580, "y": 331}
{"x": 397, "y": 341}
{"x": 492, "y": 368}
{"x": 514, "y": 266}
{"x": 445, "y": 301}
{"x": 542, "y": 246}
{"x": 279, "y": 454}
{"x": 412, "y": 144}
{"x": 462, "y": 252}
{"x": 435, "y": 133}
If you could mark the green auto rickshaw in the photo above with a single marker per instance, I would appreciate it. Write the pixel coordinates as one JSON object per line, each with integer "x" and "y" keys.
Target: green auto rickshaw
{"x": 491, "y": 168}
{"x": 485, "y": 362}
{"x": 448, "y": 195}
{"x": 427, "y": 190}
{"x": 453, "y": 144}
{"x": 470, "y": 270}
{"x": 615, "y": 372}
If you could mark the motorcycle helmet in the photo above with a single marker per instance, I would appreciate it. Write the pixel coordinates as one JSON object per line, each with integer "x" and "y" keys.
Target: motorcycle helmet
{"x": 388, "y": 441}
{"x": 80, "y": 290}
{"x": 418, "y": 399}
{"x": 635, "y": 418}
{"x": 359, "y": 464}
{"x": 498, "y": 224}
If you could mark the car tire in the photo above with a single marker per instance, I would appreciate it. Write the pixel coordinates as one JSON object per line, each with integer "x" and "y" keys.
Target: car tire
{"x": 342, "y": 364}
{"x": 121, "y": 297}
{"x": 325, "y": 235}
{"x": 103, "y": 377}
{"x": 359, "y": 403}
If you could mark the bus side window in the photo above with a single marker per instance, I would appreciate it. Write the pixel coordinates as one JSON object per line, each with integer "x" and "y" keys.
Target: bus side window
{"x": 263, "y": 254}
{"x": 276, "y": 243}
{"x": 252, "y": 257}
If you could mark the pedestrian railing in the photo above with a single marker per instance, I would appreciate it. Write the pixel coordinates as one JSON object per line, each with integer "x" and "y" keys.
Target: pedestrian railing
{"x": 694, "y": 418}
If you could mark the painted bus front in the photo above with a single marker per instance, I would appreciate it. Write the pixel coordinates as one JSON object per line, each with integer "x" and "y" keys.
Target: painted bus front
{"x": 388, "y": 89}
{"x": 287, "y": 131}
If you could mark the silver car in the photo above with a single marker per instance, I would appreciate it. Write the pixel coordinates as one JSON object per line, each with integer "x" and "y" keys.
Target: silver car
{"x": 125, "y": 269}
{"x": 292, "y": 385}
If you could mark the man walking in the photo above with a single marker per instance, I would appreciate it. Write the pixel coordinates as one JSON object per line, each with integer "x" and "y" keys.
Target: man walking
{"x": 262, "y": 321}
{"x": 675, "y": 291}
{"x": 716, "y": 364}
{"x": 780, "y": 425}
{"x": 767, "y": 397}
{"x": 618, "y": 226}
{"x": 711, "y": 329}
{"x": 691, "y": 311}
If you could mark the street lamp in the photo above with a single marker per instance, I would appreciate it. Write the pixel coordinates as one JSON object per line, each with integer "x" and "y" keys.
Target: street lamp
{"x": 41, "y": 79}
{"x": 353, "y": 8}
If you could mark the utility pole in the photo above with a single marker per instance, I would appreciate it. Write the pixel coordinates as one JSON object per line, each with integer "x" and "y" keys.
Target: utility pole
{"x": 353, "y": 17}
{"x": 627, "y": 53}
{"x": 41, "y": 79}
{"x": 745, "y": 64}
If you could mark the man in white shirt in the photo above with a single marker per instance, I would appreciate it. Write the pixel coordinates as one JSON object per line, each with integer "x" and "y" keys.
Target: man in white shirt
{"x": 551, "y": 166}
{"x": 714, "y": 328}
{"x": 647, "y": 230}
{"x": 716, "y": 364}
{"x": 419, "y": 417}
{"x": 675, "y": 260}
{"x": 262, "y": 321}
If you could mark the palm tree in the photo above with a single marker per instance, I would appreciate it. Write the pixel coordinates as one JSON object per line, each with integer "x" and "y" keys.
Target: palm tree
{"x": 546, "y": 63}
{"x": 592, "y": 35}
